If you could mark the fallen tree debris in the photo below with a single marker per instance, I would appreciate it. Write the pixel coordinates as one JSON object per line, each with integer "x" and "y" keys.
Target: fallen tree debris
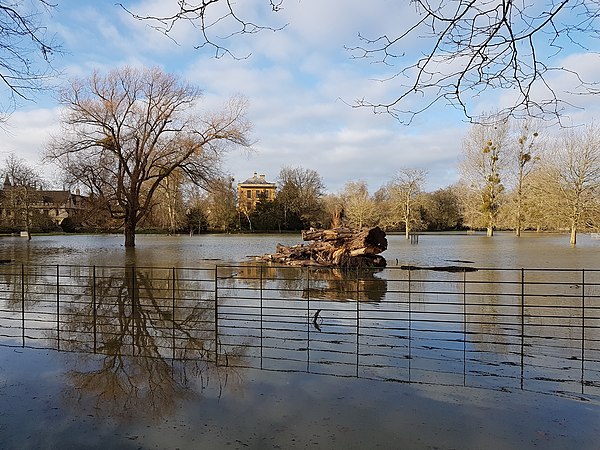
{"x": 336, "y": 247}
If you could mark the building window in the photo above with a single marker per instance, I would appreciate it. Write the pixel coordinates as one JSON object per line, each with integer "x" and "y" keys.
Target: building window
{"x": 249, "y": 193}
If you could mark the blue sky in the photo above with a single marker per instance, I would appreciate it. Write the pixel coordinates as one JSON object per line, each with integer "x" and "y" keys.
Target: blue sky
{"x": 299, "y": 82}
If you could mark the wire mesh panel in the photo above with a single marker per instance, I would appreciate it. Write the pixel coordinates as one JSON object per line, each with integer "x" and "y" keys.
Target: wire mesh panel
{"x": 494, "y": 328}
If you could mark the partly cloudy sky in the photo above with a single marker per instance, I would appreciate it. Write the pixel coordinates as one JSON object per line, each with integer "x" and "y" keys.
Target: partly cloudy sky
{"x": 300, "y": 82}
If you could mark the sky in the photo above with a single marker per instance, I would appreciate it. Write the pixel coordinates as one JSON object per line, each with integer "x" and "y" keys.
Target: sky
{"x": 300, "y": 82}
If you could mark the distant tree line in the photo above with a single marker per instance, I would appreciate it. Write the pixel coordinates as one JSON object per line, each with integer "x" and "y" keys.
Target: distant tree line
{"x": 515, "y": 175}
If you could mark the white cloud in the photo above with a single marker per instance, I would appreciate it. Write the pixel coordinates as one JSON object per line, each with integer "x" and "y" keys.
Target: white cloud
{"x": 26, "y": 134}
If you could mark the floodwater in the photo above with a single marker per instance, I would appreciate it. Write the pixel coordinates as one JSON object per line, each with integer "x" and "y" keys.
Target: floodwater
{"x": 428, "y": 380}
{"x": 502, "y": 251}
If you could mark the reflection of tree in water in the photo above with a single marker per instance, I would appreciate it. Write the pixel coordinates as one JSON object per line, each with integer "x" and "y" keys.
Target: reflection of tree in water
{"x": 157, "y": 350}
{"x": 315, "y": 282}
{"x": 494, "y": 316}
{"x": 15, "y": 278}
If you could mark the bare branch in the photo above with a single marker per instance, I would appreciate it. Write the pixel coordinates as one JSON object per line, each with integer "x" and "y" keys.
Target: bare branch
{"x": 26, "y": 51}
{"x": 206, "y": 16}
{"x": 474, "y": 46}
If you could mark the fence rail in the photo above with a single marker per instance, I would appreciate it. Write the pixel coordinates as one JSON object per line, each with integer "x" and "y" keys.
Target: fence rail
{"x": 534, "y": 329}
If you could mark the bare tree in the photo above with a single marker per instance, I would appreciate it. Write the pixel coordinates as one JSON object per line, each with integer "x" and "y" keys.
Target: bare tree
{"x": 526, "y": 155}
{"x": 222, "y": 212}
{"x": 574, "y": 172}
{"x": 542, "y": 200}
{"x": 483, "y": 166}
{"x": 168, "y": 210}
{"x": 359, "y": 208}
{"x": 472, "y": 46}
{"x": 25, "y": 50}
{"x": 404, "y": 191}
{"x": 300, "y": 193}
{"x": 126, "y": 132}
{"x": 441, "y": 209}
{"x": 333, "y": 210}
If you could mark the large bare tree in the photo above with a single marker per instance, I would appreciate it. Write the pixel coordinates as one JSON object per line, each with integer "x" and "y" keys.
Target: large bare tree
{"x": 26, "y": 51}
{"x": 125, "y": 132}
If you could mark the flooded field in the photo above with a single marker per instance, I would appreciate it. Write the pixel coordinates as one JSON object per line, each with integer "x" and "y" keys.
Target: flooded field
{"x": 502, "y": 251}
{"x": 198, "y": 347}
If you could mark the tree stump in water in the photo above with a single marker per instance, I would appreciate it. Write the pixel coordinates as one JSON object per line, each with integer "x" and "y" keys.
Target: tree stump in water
{"x": 339, "y": 247}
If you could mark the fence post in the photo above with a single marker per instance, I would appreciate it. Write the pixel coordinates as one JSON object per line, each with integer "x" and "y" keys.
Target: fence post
{"x": 464, "y": 327}
{"x": 173, "y": 312}
{"x": 23, "y": 303}
{"x": 216, "y": 314}
{"x": 357, "y": 322}
{"x": 133, "y": 309}
{"x": 522, "y": 323}
{"x": 582, "y": 330}
{"x": 94, "y": 307}
{"x": 409, "y": 326}
{"x": 58, "y": 306}
{"x": 261, "y": 315}
{"x": 308, "y": 319}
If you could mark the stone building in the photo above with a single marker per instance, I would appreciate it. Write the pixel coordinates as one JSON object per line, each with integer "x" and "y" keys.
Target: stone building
{"x": 19, "y": 202}
{"x": 253, "y": 190}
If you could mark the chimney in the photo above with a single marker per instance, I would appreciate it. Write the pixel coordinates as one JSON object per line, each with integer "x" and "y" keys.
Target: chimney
{"x": 262, "y": 176}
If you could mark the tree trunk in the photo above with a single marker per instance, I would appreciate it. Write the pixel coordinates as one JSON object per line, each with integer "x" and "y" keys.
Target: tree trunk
{"x": 130, "y": 225}
{"x": 407, "y": 217}
{"x": 519, "y": 210}
{"x": 575, "y": 221}
{"x": 490, "y": 231}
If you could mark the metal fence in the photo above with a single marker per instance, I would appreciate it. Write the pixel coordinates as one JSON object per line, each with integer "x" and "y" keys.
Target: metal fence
{"x": 534, "y": 329}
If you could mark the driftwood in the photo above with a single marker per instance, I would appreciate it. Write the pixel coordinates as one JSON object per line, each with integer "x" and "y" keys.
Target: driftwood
{"x": 341, "y": 247}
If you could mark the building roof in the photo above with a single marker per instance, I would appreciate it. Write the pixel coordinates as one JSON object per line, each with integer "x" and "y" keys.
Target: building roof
{"x": 257, "y": 179}
{"x": 57, "y": 197}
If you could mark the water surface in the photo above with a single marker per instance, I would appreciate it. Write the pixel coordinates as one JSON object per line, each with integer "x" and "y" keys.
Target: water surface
{"x": 371, "y": 369}
{"x": 504, "y": 250}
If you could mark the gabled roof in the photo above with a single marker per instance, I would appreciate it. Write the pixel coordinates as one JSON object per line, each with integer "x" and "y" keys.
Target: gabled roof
{"x": 56, "y": 197}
